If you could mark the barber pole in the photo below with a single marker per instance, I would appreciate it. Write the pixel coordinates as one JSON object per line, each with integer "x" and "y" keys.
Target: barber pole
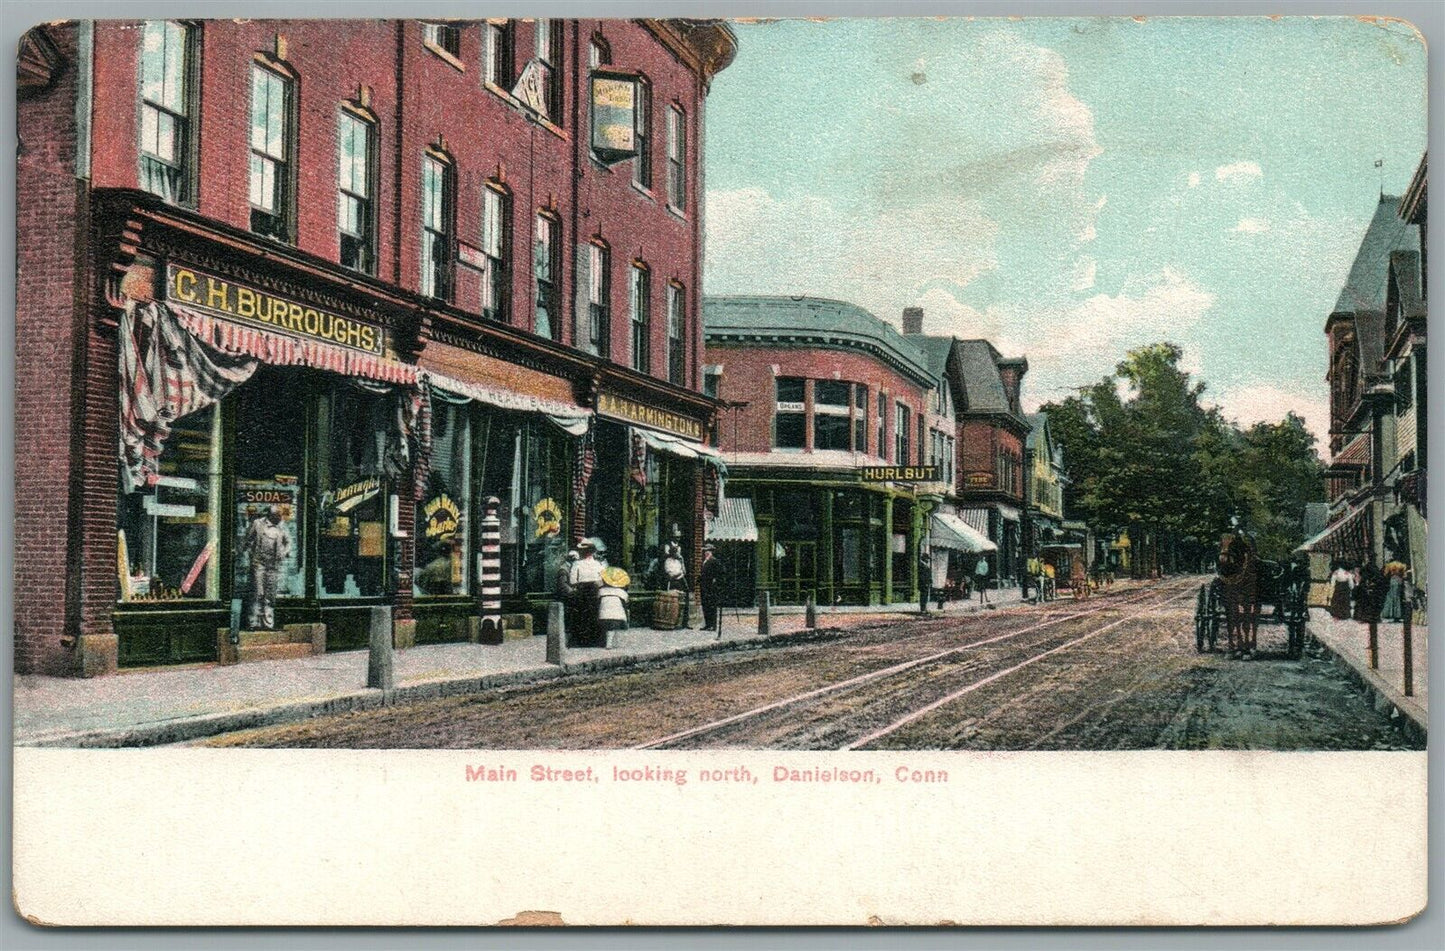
{"x": 491, "y": 572}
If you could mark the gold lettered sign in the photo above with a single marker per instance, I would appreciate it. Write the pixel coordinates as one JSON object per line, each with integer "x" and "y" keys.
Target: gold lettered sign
{"x": 614, "y": 115}
{"x": 617, "y": 407}
{"x": 219, "y": 295}
{"x": 899, "y": 473}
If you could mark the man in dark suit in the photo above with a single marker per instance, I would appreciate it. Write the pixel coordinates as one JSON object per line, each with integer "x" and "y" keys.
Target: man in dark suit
{"x": 710, "y": 587}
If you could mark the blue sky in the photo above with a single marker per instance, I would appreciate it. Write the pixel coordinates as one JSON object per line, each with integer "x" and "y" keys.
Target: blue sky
{"x": 1070, "y": 188}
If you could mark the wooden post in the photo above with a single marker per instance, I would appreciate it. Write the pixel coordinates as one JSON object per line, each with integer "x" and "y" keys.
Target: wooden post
{"x": 556, "y": 632}
{"x": 1407, "y": 634}
{"x": 380, "y": 671}
{"x": 810, "y": 613}
{"x": 1374, "y": 645}
{"x": 765, "y": 625}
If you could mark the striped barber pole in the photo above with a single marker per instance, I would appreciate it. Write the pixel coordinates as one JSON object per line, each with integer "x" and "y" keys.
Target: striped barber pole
{"x": 491, "y": 571}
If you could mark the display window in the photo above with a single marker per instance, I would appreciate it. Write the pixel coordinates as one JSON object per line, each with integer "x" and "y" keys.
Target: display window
{"x": 270, "y": 421}
{"x": 167, "y": 535}
{"x": 442, "y": 516}
{"x": 351, "y": 435}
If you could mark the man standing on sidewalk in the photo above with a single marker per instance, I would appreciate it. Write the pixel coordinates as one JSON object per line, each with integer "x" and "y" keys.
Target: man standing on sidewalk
{"x": 268, "y": 544}
{"x": 710, "y": 587}
{"x": 980, "y": 573}
{"x": 925, "y": 578}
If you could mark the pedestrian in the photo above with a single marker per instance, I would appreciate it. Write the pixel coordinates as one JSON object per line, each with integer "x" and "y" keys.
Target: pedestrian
{"x": 1394, "y": 609}
{"x": 269, "y": 545}
{"x": 612, "y": 604}
{"x": 562, "y": 583}
{"x": 980, "y": 573}
{"x": 585, "y": 578}
{"x": 1341, "y": 581}
{"x": 925, "y": 579}
{"x": 710, "y": 587}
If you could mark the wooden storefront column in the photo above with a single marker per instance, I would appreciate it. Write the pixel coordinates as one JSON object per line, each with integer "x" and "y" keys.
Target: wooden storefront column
{"x": 824, "y": 570}
{"x": 887, "y": 549}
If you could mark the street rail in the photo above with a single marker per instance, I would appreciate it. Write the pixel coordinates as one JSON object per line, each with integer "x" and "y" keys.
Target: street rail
{"x": 891, "y": 671}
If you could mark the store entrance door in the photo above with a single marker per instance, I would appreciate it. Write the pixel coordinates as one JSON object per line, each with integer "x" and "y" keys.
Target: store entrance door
{"x": 797, "y": 571}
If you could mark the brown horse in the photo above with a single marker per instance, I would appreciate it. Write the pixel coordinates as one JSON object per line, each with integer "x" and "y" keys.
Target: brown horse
{"x": 1239, "y": 591}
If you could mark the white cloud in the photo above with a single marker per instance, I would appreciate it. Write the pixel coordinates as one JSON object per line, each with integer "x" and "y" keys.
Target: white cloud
{"x": 1193, "y": 179}
{"x": 1238, "y": 171}
{"x": 1084, "y": 273}
{"x": 1251, "y": 226}
{"x": 1066, "y": 121}
{"x": 1266, "y": 402}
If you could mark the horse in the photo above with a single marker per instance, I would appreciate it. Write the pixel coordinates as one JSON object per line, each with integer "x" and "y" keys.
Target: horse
{"x": 1239, "y": 591}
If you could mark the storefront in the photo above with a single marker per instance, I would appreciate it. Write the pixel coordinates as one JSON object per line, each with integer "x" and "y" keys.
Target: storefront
{"x": 956, "y": 547}
{"x": 243, "y": 400}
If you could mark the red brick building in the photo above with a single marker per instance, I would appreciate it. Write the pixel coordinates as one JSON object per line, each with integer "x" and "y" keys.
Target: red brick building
{"x": 372, "y": 272}
{"x": 819, "y": 396}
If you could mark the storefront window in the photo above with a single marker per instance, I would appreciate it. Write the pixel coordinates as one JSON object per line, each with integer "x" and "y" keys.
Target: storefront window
{"x": 270, "y": 458}
{"x": 790, "y": 422}
{"x": 831, "y": 425}
{"x": 166, "y": 536}
{"x": 546, "y": 486}
{"x": 442, "y": 524}
{"x": 351, "y": 444}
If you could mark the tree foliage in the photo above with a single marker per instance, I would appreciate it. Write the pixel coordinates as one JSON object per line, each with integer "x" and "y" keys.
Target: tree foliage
{"x": 1143, "y": 451}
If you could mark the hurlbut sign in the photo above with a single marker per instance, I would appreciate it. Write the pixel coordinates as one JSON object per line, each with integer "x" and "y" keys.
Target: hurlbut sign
{"x": 202, "y": 291}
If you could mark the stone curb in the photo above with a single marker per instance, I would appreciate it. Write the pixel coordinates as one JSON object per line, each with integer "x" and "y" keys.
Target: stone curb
{"x": 1414, "y": 728}
{"x": 184, "y": 729}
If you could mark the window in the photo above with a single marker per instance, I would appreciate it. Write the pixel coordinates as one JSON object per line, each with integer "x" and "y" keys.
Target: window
{"x": 880, "y": 445}
{"x": 598, "y": 53}
{"x": 676, "y": 357}
{"x": 597, "y": 335}
{"x": 860, "y": 417}
{"x": 497, "y": 66}
{"x": 901, "y": 428}
{"x": 545, "y": 269}
{"x": 1404, "y": 388}
{"x": 436, "y": 221}
{"x": 270, "y": 153}
{"x": 789, "y": 420}
{"x": 441, "y": 514}
{"x": 677, "y": 158}
{"x": 351, "y": 527}
{"x": 443, "y": 36}
{"x": 497, "y": 253}
{"x": 355, "y": 139}
{"x": 832, "y": 400}
{"x": 642, "y": 127}
{"x": 950, "y": 454}
{"x": 549, "y": 57}
{"x": 167, "y": 535}
{"x": 712, "y": 381}
{"x": 922, "y": 445}
{"x": 165, "y": 120}
{"x": 640, "y": 301}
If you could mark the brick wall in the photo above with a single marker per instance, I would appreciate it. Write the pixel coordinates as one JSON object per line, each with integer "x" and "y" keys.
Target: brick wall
{"x": 49, "y": 218}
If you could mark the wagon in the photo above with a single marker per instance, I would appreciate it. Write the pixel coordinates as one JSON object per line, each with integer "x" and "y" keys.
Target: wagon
{"x": 1247, "y": 591}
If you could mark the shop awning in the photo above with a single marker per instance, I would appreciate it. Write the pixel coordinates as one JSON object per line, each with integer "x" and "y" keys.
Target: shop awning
{"x": 681, "y": 448}
{"x": 734, "y": 522}
{"x": 283, "y": 350}
{"x": 950, "y": 531}
{"x": 976, "y": 519}
{"x": 1348, "y": 536}
{"x": 569, "y": 417}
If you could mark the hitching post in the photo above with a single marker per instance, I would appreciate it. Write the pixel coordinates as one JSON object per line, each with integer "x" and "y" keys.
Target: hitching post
{"x": 556, "y": 632}
{"x": 491, "y": 625}
{"x": 810, "y": 613}
{"x": 235, "y": 621}
{"x": 380, "y": 672}
{"x": 1407, "y": 633}
{"x": 1374, "y": 645}
{"x": 765, "y": 627}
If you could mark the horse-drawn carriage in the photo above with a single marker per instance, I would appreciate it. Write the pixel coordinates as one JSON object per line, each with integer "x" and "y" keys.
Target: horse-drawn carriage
{"x": 1242, "y": 588}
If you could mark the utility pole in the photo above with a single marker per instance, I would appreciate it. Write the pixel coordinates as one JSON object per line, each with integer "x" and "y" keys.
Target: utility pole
{"x": 1027, "y": 524}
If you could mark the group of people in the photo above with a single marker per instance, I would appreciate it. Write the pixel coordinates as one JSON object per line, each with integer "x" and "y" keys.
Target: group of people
{"x": 1365, "y": 593}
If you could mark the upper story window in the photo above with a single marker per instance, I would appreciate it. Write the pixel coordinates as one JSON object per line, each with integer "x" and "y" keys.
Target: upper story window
{"x": 677, "y": 158}
{"x": 355, "y": 209}
{"x": 1404, "y": 386}
{"x": 497, "y": 67}
{"x": 880, "y": 445}
{"x": 598, "y": 53}
{"x": 789, "y": 419}
{"x": 860, "y": 417}
{"x": 676, "y": 342}
{"x": 549, "y": 55}
{"x": 444, "y": 37}
{"x": 922, "y": 430}
{"x": 165, "y": 120}
{"x": 832, "y": 406}
{"x": 640, "y": 305}
{"x": 902, "y": 425}
{"x": 546, "y": 269}
{"x": 642, "y": 126}
{"x": 712, "y": 381}
{"x": 271, "y": 144}
{"x": 496, "y": 253}
{"x": 598, "y": 331}
{"x": 437, "y": 216}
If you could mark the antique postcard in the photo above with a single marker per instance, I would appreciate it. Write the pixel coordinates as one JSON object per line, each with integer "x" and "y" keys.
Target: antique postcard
{"x": 692, "y": 471}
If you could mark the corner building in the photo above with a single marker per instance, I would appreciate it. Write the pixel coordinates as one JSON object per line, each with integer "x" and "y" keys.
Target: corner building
{"x": 839, "y": 447}
{"x": 374, "y": 273}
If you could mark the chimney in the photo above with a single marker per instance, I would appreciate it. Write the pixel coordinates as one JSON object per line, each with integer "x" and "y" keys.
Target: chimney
{"x": 1011, "y": 372}
{"x": 913, "y": 320}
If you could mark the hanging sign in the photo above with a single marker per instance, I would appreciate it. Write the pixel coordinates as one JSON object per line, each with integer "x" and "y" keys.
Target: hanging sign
{"x": 614, "y": 116}
{"x": 531, "y": 88}
{"x": 618, "y": 407}
{"x": 207, "y": 292}
{"x": 549, "y": 518}
{"x": 443, "y": 516}
{"x": 898, "y": 473}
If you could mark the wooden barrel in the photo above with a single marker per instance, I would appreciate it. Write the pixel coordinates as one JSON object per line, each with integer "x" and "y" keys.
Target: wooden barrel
{"x": 667, "y": 610}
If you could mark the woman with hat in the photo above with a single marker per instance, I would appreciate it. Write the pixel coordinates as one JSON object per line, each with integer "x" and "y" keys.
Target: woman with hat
{"x": 586, "y": 580}
{"x": 612, "y": 603}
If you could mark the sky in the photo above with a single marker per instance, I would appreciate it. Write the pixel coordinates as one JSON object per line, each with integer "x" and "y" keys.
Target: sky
{"x": 1070, "y": 187}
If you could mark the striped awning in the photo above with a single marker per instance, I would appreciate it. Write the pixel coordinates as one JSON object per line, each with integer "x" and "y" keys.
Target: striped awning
{"x": 950, "y": 531}
{"x": 571, "y": 418}
{"x": 284, "y": 350}
{"x": 1349, "y": 536}
{"x": 734, "y": 522}
{"x": 976, "y": 519}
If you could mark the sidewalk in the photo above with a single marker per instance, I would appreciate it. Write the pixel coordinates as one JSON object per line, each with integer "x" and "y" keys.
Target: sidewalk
{"x": 1348, "y": 641}
{"x": 168, "y": 705}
